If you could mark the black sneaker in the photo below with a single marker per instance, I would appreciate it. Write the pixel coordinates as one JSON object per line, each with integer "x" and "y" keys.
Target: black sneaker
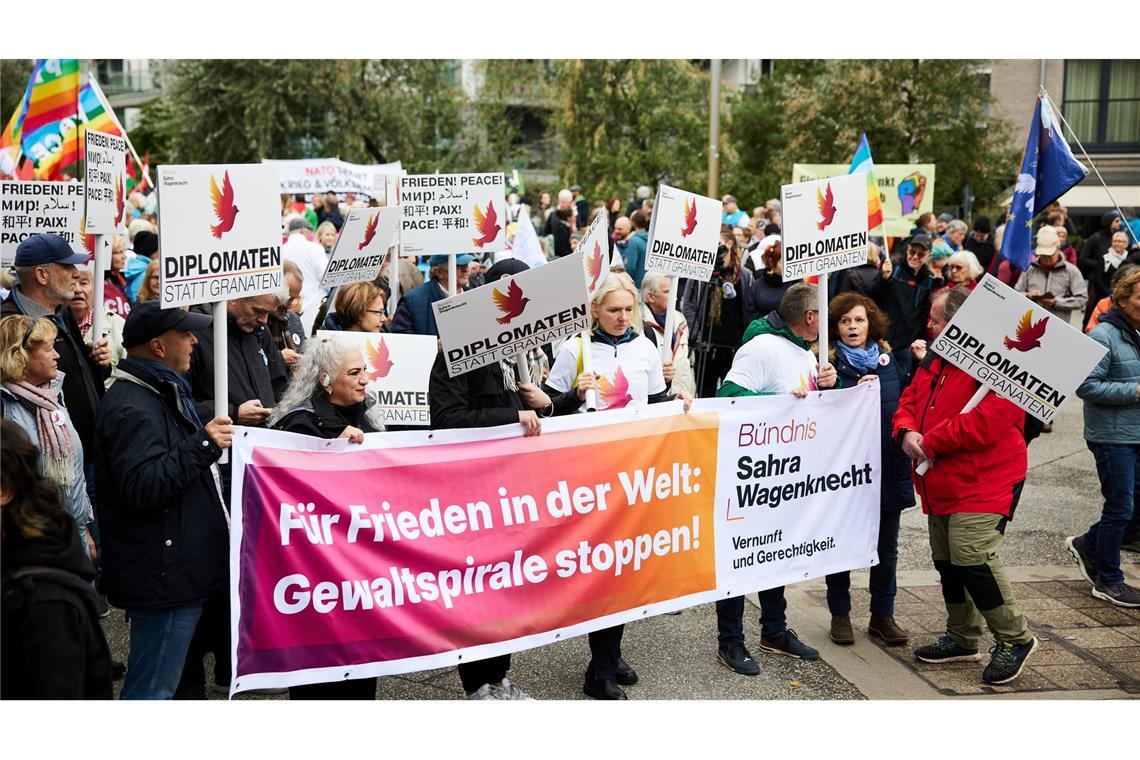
{"x": 1006, "y": 661}
{"x": 790, "y": 645}
{"x": 946, "y": 650}
{"x": 1120, "y": 594}
{"x": 737, "y": 659}
{"x": 1131, "y": 543}
{"x": 625, "y": 675}
{"x": 102, "y": 606}
{"x": 1085, "y": 561}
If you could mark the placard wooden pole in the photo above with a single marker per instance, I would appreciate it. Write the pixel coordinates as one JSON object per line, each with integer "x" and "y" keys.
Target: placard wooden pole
{"x": 100, "y": 260}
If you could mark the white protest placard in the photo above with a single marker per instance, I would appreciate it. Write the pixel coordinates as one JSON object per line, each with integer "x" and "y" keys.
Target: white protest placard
{"x": 515, "y": 314}
{"x": 104, "y": 183}
{"x": 331, "y": 175}
{"x": 398, "y": 368}
{"x": 362, "y": 245}
{"x": 27, "y": 208}
{"x": 684, "y": 234}
{"x": 595, "y": 247}
{"x": 1018, "y": 349}
{"x": 453, "y": 213}
{"x": 824, "y": 225}
{"x": 219, "y": 232}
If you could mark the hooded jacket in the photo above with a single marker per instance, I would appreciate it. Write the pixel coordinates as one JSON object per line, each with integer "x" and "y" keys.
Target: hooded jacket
{"x": 163, "y": 525}
{"x": 979, "y": 457}
{"x": 52, "y": 644}
{"x": 1112, "y": 406}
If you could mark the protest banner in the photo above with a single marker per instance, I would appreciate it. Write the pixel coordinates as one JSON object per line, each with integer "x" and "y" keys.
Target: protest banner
{"x": 362, "y": 246}
{"x": 905, "y": 190}
{"x": 1017, "y": 349}
{"x": 417, "y": 550}
{"x": 452, "y": 213}
{"x": 104, "y": 183}
{"x": 331, "y": 175}
{"x": 515, "y": 314}
{"x": 398, "y": 367}
{"x": 219, "y": 232}
{"x": 28, "y": 208}
{"x": 684, "y": 234}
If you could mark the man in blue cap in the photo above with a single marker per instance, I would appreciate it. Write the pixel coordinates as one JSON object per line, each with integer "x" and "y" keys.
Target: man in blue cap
{"x": 48, "y": 279}
{"x": 414, "y": 314}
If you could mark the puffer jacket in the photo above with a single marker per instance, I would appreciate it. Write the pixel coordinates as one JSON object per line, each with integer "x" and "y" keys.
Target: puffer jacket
{"x": 1110, "y": 392}
{"x": 979, "y": 457}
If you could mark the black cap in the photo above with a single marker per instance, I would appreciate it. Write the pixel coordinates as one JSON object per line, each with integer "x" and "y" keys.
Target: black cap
{"x": 145, "y": 243}
{"x": 503, "y": 268}
{"x": 923, "y": 240}
{"x": 45, "y": 248}
{"x": 982, "y": 224}
{"x": 149, "y": 320}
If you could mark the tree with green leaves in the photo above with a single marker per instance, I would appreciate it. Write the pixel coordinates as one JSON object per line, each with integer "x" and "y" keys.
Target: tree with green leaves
{"x": 14, "y": 73}
{"x": 624, "y": 123}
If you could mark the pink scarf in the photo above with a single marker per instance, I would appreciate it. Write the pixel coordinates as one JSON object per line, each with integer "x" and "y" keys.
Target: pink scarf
{"x": 57, "y": 446}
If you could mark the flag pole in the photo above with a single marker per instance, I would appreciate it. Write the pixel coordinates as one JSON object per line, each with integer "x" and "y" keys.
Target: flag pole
{"x": 1088, "y": 158}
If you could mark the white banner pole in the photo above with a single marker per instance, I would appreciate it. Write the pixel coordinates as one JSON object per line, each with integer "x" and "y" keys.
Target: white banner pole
{"x": 452, "y": 286}
{"x": 666, "y": 346}
{"x": 976, "y": 399}
{"x": 588, "y": 366}
{"x": 221, "y": 368}
{"x": 100, "y": 263}
{"x": 821, "y": 293}
{"x": 393, "y": 279}
{"x": 523, "y": 368}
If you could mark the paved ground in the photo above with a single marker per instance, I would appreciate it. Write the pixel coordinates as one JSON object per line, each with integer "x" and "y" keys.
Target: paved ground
{"x": 1089, "y": 648}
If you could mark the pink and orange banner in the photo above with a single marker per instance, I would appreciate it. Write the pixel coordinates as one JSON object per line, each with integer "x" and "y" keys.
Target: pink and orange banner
{"x": 420, "y": 550}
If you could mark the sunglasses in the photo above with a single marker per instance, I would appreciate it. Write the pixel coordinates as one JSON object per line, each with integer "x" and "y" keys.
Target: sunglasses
{"x": 28, "y": 334}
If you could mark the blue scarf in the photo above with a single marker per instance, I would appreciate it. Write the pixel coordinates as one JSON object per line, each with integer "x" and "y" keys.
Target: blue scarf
{"x": 162, "y": 374}
{"x": 863, "y": 360}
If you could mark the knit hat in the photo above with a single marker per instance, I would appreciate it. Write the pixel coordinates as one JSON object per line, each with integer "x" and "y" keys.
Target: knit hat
{"x": 941, "y": 250}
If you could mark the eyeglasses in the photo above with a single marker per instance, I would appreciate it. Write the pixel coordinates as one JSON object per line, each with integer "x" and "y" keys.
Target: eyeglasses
{"x": 375, "y": 311}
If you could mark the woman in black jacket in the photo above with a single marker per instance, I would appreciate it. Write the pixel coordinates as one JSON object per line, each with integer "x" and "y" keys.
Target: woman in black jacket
{"x": 52, "y": 644}
{"x": 326, "y": 400}
{"x": 860, "y": 354}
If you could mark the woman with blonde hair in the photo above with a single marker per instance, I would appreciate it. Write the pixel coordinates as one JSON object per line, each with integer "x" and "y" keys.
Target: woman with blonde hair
{"x": 627, "y": 372}
{"x": 359, "y": 308}
{"x": 31, "y": 397}
{"x": 148, "y": 290}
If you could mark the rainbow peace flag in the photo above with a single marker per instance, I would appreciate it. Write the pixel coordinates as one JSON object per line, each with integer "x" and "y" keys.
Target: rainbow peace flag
{"x": 862, "y": 163}
{"x": 51, "y": 96}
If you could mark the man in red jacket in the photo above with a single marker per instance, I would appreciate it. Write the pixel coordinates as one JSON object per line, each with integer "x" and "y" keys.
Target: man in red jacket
{"x": 978, "y": 465}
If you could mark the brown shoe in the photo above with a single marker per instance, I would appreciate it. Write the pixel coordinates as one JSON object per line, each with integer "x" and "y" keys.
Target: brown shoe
{"x": 841, "y": 631}
{"x": 885, "y": 627}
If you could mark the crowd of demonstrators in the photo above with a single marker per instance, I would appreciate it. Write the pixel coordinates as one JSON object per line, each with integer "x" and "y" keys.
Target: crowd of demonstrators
{"x": 51, "y": 643}
{"x": 627, "y": 372}
{"x": 1103, "y": 305}
{"x": 1050, "y": 280}
{"x": 962, "y": 269}
{"x": 904, "y": 293}
{"x": 774, "y": 358}
{"x": 860, "y": 279}
{"x": 980, "y": 242}
{"x": 285, "y": 323}
{"x": 414, "y": 315}
{"x": 1111, "y": 394}
{"x": 656, "y": 296}
{"x": 766, "y": 263}
{"x": 860, "y": 354}
{"x": 144, "y": 255}
{"x": 636, "y": 245}
{"x": 969, "y": 495}
{"x": 1117, "y": 256}
{"x": 311, "y": 259}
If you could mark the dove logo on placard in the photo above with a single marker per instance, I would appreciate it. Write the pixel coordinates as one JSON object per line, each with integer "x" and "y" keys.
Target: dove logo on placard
{"x": 224, "y": 208}
{"x": 485, "y": 225}
{"x": 369, "y": 231}
{"x": 511, "y": 304}
{"x": 689, "y": 220}
{"x": 377, "y": 355}
{"x": 615, "y": 393}
{"x": 594, "y": 265}
{"x": 119, "y": 204}
{"x": 827, "y": 209}
{"x": 1029, "y": 333}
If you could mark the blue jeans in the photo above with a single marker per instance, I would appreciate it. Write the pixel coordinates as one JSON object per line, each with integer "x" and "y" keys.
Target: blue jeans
{"x": 882, "y": 583}
{"x": 1116, "y": 465}
{"x": 730, "y": 617}
{"x": 159, "y": 640}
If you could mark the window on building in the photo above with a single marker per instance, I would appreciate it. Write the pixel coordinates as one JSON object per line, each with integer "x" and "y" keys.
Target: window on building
{"x": 1102, "y": 103}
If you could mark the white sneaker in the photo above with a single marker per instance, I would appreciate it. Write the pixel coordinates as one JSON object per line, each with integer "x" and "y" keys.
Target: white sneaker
{"x": 484, "y": 692}
{"x": 508, "y": 690}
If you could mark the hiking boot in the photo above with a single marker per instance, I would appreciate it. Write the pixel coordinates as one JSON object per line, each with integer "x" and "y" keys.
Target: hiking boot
{"x": 841, "y": 631}
{"x": 946, "y": 650}
{"x": 1006, "y": 661}
{"x": 737, "y": 659}
{"x": 1120, "y": 594}
{"x": 789, "y": 644}
{"x": 625, "y": 675}
{"x": 885, "y": 627}
{"x": 507, "y": 690}
{"x": 1085, "y": 561}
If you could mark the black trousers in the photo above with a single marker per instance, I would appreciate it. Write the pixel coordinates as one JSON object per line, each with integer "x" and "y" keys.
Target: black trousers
{"x": 491, "y": 670}
{"x": 605, "y": 651}
{"x": 357, "y": 688}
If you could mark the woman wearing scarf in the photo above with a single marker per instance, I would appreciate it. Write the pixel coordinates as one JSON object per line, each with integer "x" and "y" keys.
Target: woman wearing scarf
{"x": 326, "y": 400}
{"x": 81, "y": 309}
{"x": 627, "y": 373}
{"x": 31, "y": 398}
{"x": 859, "y": 354}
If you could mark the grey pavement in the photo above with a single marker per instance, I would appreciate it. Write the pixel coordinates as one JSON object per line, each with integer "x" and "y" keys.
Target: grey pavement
{"x": 675, "y": 656}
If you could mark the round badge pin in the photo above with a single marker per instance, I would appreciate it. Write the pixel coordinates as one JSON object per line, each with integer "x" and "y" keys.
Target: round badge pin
{"x": 884, "y": 359}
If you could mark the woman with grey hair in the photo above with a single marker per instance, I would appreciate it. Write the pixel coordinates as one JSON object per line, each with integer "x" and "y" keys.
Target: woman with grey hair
{"x": 963, "y": 269}
{"x": 955, "y": 234}
{"x": 326, "y": 400}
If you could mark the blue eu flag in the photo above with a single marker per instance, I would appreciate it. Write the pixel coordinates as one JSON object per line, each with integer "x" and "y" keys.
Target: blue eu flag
{"x": 1048, "y": 170}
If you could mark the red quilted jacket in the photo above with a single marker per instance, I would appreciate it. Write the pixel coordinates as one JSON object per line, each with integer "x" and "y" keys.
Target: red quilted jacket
{"x": 979, "y": 457}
